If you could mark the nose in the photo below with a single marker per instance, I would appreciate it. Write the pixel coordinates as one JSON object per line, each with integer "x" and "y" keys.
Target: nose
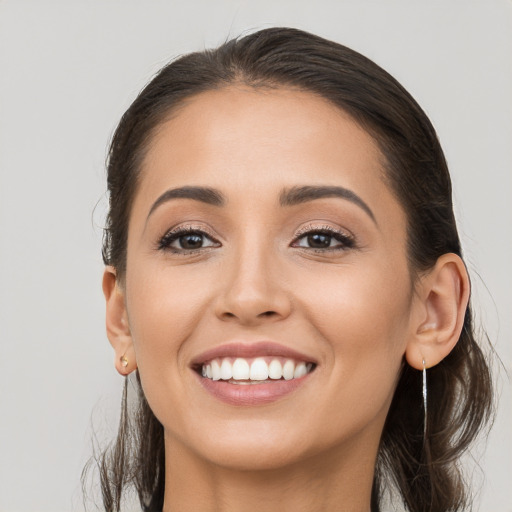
{"x": 253, "y": 290}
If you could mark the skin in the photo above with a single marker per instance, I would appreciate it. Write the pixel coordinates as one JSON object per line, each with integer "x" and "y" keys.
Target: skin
{"x": 356, "y": 309}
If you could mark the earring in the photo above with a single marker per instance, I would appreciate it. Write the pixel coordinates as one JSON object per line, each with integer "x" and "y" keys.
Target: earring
{"x": 124, "y": 361}
{"x": 424, "y": 400}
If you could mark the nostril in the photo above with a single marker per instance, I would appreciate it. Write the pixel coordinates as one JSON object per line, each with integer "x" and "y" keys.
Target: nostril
{"x": 268, "y": 313}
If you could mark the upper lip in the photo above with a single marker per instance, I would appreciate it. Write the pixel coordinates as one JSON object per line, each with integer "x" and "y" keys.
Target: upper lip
{"x": 246, "y": 350}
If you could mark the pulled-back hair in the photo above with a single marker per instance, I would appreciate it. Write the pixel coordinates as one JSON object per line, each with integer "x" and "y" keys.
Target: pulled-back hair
{"x": 424, "y": 469}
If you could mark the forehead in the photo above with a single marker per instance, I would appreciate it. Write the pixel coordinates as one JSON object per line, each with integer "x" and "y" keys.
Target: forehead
{"x": 236, "y": 115}
{"x": 256, "y": 141}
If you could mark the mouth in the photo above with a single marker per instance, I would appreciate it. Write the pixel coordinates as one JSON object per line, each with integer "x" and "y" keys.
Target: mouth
{"x": 256, "y": 370}
{"x": 241, "y": 374}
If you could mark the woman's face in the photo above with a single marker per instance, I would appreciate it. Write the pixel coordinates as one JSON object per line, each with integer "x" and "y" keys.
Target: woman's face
{"x": 262, "y": 230}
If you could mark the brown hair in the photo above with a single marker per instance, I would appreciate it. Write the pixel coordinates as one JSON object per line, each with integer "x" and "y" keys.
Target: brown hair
{"x": 424, "y": 471}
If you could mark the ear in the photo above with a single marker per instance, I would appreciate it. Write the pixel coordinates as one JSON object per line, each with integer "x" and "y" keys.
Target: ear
{"x": 438, "y": 316}
{"x": 118, "y": 328}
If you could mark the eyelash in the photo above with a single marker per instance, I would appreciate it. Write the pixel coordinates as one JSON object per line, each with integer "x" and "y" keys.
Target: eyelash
{"x": 173, "y": 235}
{"x": 345, "y": 241}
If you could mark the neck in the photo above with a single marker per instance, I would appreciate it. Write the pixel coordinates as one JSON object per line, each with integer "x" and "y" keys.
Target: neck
{"x": 327, "y": 482}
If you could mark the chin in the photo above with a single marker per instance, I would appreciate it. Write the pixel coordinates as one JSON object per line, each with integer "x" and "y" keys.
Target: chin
{"x": 249, "y": 446}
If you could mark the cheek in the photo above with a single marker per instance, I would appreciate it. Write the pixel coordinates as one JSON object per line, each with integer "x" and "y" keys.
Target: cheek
{"x": 365, "y": 300}
{"x": 362, "y": 317}
{"x": 164, "y": 310}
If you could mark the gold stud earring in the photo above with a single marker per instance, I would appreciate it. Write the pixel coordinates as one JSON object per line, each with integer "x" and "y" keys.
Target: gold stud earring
{"x": 124, "y": 361}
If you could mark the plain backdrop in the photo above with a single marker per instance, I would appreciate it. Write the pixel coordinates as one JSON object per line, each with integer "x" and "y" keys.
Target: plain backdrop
{"x": 68, "y": 70}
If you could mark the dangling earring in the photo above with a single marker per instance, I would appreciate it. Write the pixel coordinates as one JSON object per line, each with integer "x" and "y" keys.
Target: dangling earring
{"x": 124, "y": 361}
{"x": 424, "y": 400}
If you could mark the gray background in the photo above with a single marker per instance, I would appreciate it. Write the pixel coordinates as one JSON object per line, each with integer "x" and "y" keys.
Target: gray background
{"x": 69, "y": 69}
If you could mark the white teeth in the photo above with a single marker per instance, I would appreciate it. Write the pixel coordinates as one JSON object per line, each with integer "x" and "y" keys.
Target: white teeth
{"x": 300, "y": 371}
{"x": 215, "y": 370}
{"x": 288, "y": 369}
{"x": 259, "y": 370}
{"x": 275, "y": 370}
{"x": 241, "y": 369}
{"x": 226, "y": 370}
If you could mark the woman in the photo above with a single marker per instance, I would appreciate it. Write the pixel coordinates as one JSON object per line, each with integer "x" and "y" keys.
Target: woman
{"x": 284, "y": 279}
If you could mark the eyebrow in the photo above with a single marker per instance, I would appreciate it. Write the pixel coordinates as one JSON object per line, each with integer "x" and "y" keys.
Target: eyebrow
{"x": 299, "y": 195}
{"x": 203, "y": 194}
{"x": 288, "y": 197}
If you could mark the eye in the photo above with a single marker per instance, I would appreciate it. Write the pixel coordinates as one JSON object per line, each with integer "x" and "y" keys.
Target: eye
{"x": 186, "y": 240}
{"x": 323, "y": 239}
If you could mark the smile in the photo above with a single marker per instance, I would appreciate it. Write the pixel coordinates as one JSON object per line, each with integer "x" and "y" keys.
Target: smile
{"x": 255, "y": 370}
{"x": 252, "y": 374}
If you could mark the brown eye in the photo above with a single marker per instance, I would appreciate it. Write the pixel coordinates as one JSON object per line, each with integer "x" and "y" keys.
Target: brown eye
{"x": 319, "y": 241}
{"x": 324, "y": 239}
{"x": 186, "y": 240}
{"x": 192, "y": 241}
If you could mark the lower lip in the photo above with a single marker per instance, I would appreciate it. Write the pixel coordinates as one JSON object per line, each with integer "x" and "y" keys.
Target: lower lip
{"x": 251, "y": 394}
